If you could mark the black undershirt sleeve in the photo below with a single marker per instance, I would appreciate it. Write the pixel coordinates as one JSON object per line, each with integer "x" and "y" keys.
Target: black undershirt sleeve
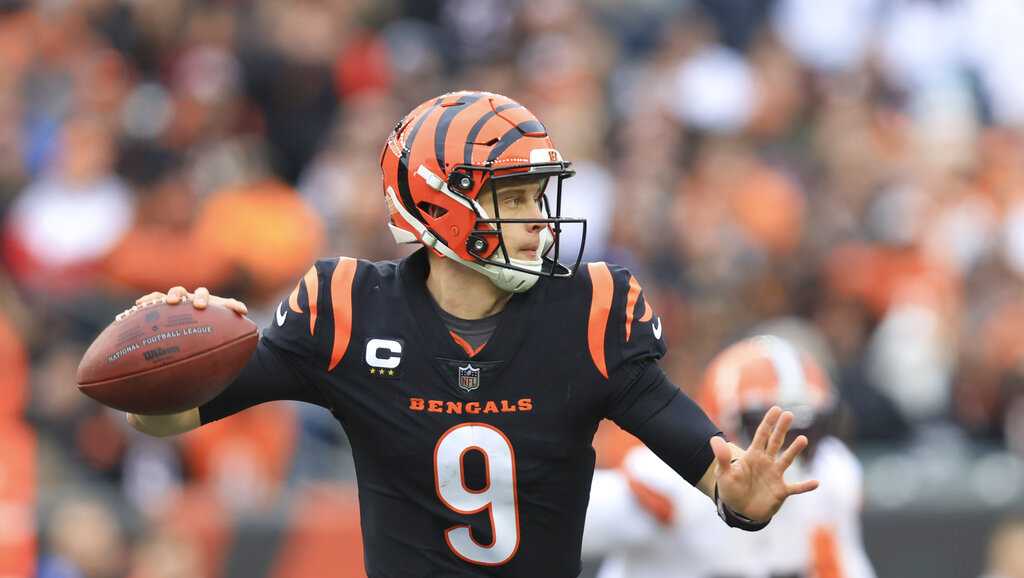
{"x": 271, "y": 374}
{"x": 653, "y": 409}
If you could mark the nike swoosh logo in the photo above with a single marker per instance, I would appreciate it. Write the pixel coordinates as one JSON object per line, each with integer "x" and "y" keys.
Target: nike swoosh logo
{"x": 281, "y": 314}
{"x": 656, "y": 327}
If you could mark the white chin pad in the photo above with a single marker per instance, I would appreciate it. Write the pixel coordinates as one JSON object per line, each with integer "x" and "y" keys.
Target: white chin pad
{"x": 512, "y": 281}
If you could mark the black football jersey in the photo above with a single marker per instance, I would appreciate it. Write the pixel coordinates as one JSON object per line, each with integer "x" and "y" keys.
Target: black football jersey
{"x": 473, "y": 463}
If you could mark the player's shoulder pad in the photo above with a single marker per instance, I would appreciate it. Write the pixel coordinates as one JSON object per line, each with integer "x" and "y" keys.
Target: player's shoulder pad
{"x": 621, "y": 324}
{"x": 315, "y": 320}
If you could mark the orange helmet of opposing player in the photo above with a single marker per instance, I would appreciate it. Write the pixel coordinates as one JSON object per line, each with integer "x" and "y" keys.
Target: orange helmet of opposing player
{"x": 750, "y": 376}
{"x": 444, "y": 154}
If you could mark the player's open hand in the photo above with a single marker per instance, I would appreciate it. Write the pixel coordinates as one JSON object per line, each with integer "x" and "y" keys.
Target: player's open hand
{"x": 753, "y": 484}
{"x": 199, "y": 299}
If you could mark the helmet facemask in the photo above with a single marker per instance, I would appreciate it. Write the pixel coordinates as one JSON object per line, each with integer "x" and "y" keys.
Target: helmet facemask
{"x": 487, "y": 242}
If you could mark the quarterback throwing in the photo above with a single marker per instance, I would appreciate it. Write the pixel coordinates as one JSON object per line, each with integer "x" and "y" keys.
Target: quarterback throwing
{"x": 471, "y": 376}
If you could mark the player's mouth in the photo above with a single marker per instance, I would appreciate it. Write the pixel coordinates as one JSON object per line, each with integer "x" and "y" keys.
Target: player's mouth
{"x": 528, "y": 252}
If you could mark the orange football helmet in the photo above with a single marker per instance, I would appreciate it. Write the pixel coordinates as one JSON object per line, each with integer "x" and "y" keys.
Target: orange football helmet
{"x": 747, "y": 378}
{"x": 442, "y": 155}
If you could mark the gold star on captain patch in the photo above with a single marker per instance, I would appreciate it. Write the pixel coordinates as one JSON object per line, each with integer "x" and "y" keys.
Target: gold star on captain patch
{"x": 373, "y": 371}
{"x": 391, "y": 372}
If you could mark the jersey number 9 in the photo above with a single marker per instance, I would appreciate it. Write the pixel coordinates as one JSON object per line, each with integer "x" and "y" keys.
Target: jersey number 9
{"x": 498, "y": 496}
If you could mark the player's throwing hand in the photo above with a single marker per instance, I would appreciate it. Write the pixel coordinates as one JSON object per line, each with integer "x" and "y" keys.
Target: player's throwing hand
{"x": 753, "y": 483}
{"x": 200, "y": 299}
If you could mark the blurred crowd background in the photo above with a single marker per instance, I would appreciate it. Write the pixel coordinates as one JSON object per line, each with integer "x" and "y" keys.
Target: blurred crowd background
{"x": 849, "y": 173}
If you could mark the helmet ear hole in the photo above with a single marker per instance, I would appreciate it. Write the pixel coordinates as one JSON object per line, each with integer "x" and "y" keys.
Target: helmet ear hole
{"x": 461, "y": 182}
{"x": 435, "y": 211}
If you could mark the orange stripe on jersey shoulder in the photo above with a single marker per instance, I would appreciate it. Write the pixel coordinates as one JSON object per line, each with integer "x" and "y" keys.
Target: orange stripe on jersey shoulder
{"x": 312, "y": 283}
{"x": 465, "y": 344}
{"x": 634, "y": 294}
{"x": 293, "y": 299}
{"x": 341, "y": 300}
{"x": 600, "y": 307}
{"x": 648, "y": 312}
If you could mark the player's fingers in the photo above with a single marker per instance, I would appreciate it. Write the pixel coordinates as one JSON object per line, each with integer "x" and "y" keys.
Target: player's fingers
{"x": 792, "y": 451}
{"x": 778, "y": 435}
{"x": 760, "y": 439}
{"x": 176, "y": 294}
{"x": 801, "y": 487}
{"x": 232, "y": 304}
{"x": 723, "y": 455}
{"x": 202, "y": 298}
{"x": 236, "y": 306}
{"x": 149, "y": 297}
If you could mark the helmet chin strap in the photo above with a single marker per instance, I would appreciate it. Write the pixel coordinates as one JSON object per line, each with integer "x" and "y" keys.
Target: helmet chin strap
{"x": 502, "y": 278}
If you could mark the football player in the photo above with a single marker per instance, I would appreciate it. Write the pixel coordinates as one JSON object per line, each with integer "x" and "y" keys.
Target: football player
{"x": 648, "y": 523}
{"x": 470, "y": 376}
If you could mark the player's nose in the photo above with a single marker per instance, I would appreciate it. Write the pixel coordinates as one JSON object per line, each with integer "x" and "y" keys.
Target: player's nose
{"x": 535, "y": 212}
{"x": 535, "y": 228}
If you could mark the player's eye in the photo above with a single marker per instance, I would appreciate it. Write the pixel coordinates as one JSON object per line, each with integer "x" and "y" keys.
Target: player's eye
{"x": 514, "y": 201}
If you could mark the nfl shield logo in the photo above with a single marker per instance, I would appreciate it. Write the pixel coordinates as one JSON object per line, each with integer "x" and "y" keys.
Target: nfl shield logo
{"x": 469, "y": 378}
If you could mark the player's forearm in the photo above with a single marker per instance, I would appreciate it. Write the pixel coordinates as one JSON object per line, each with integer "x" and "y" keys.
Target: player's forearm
{"x": 668, "y": 422}
{"x": 165, "y": 425}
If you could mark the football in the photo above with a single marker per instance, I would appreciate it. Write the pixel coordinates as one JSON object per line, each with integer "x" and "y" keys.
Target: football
{"x": 159, "y": 358}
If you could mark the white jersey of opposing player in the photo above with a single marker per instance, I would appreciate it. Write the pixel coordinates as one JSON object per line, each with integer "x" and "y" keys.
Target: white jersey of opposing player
{"x": 814, "y": 535}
